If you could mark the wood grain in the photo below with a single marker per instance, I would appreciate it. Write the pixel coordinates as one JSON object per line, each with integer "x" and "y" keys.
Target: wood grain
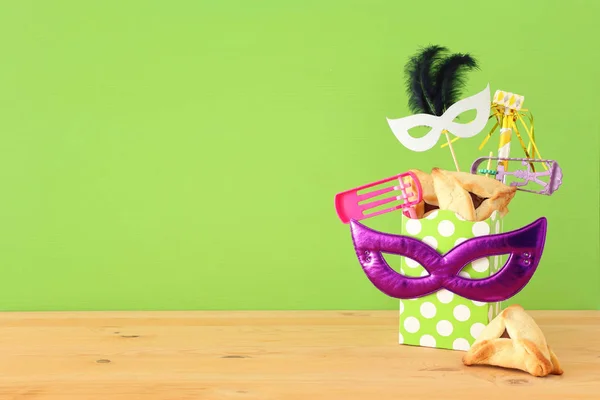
{"x": 269, "y": 355}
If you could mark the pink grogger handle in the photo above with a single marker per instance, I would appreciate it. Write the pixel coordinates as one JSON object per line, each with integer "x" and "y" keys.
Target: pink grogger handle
{"x": 348, "y": 204}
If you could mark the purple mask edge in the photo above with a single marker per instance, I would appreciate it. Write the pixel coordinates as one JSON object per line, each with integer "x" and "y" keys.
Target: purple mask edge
{"x": 525, "y": 248}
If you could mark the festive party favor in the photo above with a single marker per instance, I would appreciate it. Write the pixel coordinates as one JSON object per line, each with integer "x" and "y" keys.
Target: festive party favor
{"x": 400, "y": 193}
{"x": 550, "y": 179}
{"x": 434, "y": 84}
{"x": 524, "y": 249}
{"x": 456, "y": 262}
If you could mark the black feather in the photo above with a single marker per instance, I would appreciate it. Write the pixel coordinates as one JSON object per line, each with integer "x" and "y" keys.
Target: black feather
{"x": 420, "y": 82}
{"x": 450, "y": 80}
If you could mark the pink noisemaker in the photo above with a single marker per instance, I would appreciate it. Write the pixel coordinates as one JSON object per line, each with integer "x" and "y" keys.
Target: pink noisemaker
{"x": 350, "y": 205}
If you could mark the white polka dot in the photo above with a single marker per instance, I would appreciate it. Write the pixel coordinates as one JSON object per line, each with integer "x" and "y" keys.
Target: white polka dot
{"x": 464, "y": 274}
{"x": 444, "y": 296}
{"x": 433, "y": 215}
{"x": 479, "y": 303}
{"x": 427, "y": 341}
{"x": 491, "y": 313}
{"x": 462, "y": 312}
{"x": 411, "y": 324}
{"x": 424, "y": 273}
{"x": 400, "y": 338}
{"x": 401, "y": 306}
{"x": 497, "y": 226}
{"x": 459, "y": 241}
{"x": 413, "y": 226}
{"x": 444, "y": 327}
{"x": 459, "y": 217}
{"x": 481, "y": 228}
{"x": 461, "y": 344}
{"x": 476, "y": 329}
{"x": 430, "y": 240}
{"x": 481, "y": 265}
{"x": 494, "y": 215}
{"x": 446, "y": 228}
{"x": 410, "y": 263}
{"x": 428, "y": 309}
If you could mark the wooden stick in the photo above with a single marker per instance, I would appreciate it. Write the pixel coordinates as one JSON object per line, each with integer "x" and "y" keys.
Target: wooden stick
{"x": 489, "y": 165}
{"x": 452, "y": 150}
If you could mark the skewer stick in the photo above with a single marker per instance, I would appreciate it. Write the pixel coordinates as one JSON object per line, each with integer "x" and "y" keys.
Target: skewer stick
{"x": 452, "y": 141}
{"x": 452, "y": 150}
{"x": 489, "y": 165}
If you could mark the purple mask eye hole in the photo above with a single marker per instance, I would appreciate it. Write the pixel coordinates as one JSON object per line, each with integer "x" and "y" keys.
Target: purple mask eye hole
{"x": 403, "y": 264}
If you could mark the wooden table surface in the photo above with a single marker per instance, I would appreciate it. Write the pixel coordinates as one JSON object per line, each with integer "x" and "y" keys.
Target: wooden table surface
{"x": 269, "y": 355}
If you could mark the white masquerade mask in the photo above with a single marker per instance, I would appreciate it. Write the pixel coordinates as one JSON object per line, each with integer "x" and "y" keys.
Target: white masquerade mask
{"x": 479, "y": 102}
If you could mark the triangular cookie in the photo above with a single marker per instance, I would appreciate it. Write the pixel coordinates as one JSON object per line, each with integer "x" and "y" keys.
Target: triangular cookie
{"x": 451, "y": 195}
{"x": 430, "y": 201}
{"x": 525, "y": 349}
{"x": 473, "y": 197}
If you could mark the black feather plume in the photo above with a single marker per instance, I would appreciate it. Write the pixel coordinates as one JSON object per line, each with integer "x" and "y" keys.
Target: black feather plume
{"x": 450, "y": 80}
{"x": 420, "y": 84}
{"x": 435, "y": 81}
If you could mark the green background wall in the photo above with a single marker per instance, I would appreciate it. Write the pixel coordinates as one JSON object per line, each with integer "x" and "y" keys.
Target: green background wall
{"x": 185, "y": 154}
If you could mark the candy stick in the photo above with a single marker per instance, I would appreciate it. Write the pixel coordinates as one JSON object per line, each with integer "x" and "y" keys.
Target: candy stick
{"x": 505, "y": 136}
{"x": 510, "y": 103}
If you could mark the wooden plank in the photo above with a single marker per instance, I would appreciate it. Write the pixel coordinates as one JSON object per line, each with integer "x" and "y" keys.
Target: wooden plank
{"x": 269, "y": 355}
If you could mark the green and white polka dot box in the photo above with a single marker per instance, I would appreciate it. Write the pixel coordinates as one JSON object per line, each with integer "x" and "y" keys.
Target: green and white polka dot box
{"x": 443, "y": 319}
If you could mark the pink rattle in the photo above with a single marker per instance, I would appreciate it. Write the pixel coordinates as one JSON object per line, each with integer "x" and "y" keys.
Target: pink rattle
{"x": 350, "y": 205}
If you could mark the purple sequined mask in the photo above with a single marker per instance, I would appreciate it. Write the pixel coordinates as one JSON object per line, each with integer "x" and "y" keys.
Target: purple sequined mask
{"x": 523, "y": 246}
